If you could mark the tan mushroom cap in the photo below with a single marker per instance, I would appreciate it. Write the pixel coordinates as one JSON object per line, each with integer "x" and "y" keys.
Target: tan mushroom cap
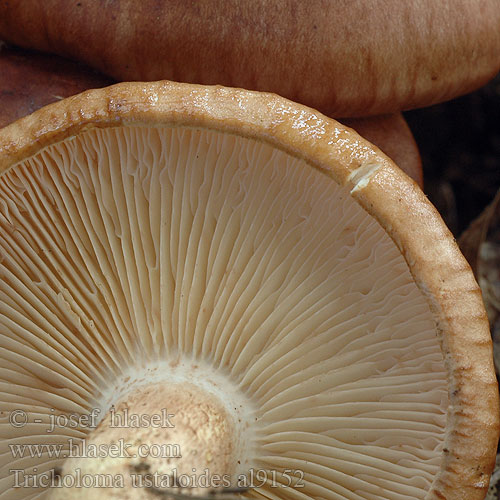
{"x": 351, "y": 58}
{"x": 393, "y": 136}
{"x": 254, "y": 249}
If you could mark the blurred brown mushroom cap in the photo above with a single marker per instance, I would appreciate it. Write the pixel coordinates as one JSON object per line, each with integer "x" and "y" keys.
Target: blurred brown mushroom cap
{"x": 352, "y": 58}
{"x": 30, "y": 80}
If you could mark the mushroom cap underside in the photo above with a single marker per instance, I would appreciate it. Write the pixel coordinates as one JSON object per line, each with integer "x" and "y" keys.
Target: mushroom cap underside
{"x": 168, "y": 233}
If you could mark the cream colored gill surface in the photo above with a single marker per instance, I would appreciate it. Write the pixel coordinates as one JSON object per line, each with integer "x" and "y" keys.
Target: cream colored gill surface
{"x": 126, "y": 247}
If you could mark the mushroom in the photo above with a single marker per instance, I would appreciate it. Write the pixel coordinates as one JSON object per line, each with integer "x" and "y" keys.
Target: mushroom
{"x": 393, "y": 136}
{"x": 30, "y": 80}
{"x": 355, "y": 58}
{"x": 252, "y": 272}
